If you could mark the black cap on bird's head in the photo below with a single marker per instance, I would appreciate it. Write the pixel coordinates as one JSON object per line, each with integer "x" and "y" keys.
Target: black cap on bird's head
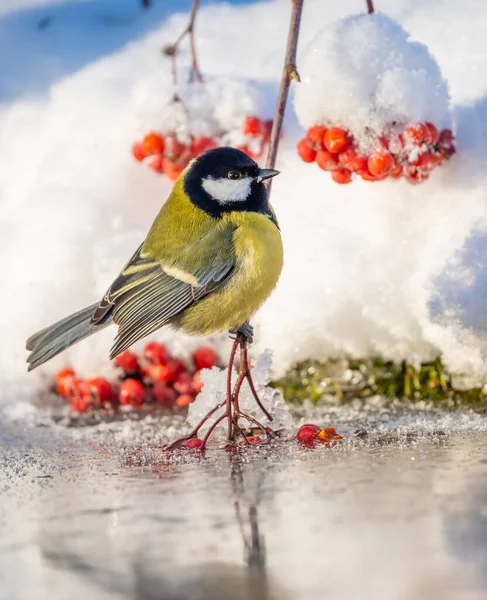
{"x": 226, "y": 179}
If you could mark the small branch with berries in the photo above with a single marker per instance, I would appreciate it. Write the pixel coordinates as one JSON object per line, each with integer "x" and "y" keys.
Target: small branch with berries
{"x": 172, "y": 49}
{"x": 288, "y": 74}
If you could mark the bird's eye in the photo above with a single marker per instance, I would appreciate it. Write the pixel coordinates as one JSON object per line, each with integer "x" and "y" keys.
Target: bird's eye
{"x": 234, "y": 175}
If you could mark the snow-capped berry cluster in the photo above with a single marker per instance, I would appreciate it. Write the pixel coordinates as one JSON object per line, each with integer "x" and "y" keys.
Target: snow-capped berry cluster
{"x": 155, "y": 378}
{"x": 169, "y": 155}
{"x": 411, "y": 152}
{"x": 309, "y": 435}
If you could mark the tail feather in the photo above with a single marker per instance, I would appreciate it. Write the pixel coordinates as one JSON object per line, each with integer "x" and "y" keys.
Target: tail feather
{"x": 61, "y": 335}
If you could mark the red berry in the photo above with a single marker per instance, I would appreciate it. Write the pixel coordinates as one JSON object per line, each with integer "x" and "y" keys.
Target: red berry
{"x": 156, "y": 353}
{"x": 153, "y": 143}
{"x": 329, "y": 433}
{"x": 336, "y": 140}
{"x": 341, "y": 176}
{"x": 346, "y": 157}
{"x": 380, "y": 163}
{"x": 414, "y": 175}
{"x": 62, "y": 378}
{"x": 81, "y": 404}
{"x": 172, "y": 169}
{"x": 139, "y": 152}
{"x": 164, "y": 394}
{"x": 193, "y": 443}
{"x": 326, "y": 160}
{"x": 202, "y": 144}
{"x": 127, "y": 361}
{"x": 184, "y": 400}
{"x": 315, "y": 137}
{"x": 418, "y": 134}
{"x": 252, "y": 126}
{"x": 396, "y": 170}
{"x": 424, "y": 160}
{"x": 197, "y": 383}
{"x": 168, "y": 372}
{"x": 305, "y": 151}
{"x": 433, "y": 132}
{"x": 307, "y": 433}
{"x": 446, "y": 138}
{"x": 183, "y": 384}
{"x": 75, "y": 388}
{"x": 100, "y": 390}
{"x": 358, "y": 164}
{"x": 252, "y": 440}
{"x": 204, "y": 358}
{"x": 174, "y": 148}
{"x": 156, "y": 163}
{"x": 132, "y": 393}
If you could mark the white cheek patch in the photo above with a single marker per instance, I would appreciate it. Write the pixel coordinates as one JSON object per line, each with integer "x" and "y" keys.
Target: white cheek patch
{"x": 228, "y": 190}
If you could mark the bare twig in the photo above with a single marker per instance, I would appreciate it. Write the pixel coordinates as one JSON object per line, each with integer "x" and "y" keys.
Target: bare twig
{"x": 289, "y": 72}
{"x": 172, "y": 49}
{"x": 370, "y": 6}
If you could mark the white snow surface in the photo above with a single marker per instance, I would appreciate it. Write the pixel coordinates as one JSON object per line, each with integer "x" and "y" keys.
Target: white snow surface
{"x": 365, "y": 73}
{"x": 370, "y": 269}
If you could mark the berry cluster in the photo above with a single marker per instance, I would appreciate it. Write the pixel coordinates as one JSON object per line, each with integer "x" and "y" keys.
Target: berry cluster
{"x": 309, "y": 435}
{"x": 411, "y": 152}
{"x": 169, "y": 155}
{"x": 156, "y": 378}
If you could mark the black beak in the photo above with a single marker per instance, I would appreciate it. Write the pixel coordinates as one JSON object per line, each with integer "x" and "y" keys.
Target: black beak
{"x": 267, "y": 174}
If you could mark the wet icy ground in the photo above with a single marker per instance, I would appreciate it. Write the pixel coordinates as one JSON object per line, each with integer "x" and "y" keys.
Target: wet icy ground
{"x": 99, "y": 513}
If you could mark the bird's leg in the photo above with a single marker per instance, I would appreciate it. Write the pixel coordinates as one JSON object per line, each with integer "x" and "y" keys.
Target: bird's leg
{"x": 244, "y": 373}
{"x": 194, "y": 432}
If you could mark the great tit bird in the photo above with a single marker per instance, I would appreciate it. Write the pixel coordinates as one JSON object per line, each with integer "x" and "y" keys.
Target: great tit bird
{"x": 212, "y": 257}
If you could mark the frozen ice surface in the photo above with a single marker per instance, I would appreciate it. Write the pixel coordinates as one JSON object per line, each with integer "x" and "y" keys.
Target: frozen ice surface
{"x": 214, "y": 392}
{"x": 365, "y": 73}
{"x": 370, "y": 269}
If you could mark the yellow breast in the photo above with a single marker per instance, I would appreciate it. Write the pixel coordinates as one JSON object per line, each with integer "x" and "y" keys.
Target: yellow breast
{"x": 258, "y": 248}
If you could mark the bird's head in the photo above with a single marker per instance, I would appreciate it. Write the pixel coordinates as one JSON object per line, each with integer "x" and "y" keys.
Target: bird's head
{"x": 226, "y": 179}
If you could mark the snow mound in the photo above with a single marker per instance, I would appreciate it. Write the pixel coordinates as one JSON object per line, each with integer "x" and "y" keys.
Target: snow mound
{"x": 217, "y": 107}
{"x": 364, "y": 73}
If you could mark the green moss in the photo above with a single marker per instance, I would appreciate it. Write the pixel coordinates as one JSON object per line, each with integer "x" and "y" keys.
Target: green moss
{"x": 338, "y": 381}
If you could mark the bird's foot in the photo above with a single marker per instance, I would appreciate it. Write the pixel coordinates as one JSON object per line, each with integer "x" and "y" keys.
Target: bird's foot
{"x": 246, "y": 330}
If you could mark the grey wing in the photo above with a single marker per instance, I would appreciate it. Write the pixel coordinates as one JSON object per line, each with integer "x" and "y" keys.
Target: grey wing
{"x": 145, "y": 296}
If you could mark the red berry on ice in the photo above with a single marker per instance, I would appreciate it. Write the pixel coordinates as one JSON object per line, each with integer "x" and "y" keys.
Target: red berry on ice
{"x": 139, "y": 152}
{"x": 380, "y": 163}
{"x": 204, "y": 358}
{"x": 164, "y": 394}
{"x": 168, "y": 372}
{"x": 100, "y": 390}
{"x": 326, "y": 160}
{"x": 396, "y": 170}
{"x": 307, "y": 433}
{"x": 193, "y": 443}
{"x": 336, "y": 140}
{"x": 433, "y": 132}
{"x": 315, "y": 135}
{"x": 424, "y": 160}
{"x": 132, "y": 393}
{"x": 62, "y": 378}
{"x": 127, "y": 361}
{"x": 153, "y": 143}
{"x": 183, "y": 384}
{"x": 252, "y": 126}
{"x": 156, "y": 163}
{"x": 197, "y": 383}
{"x": 341, "y": 176}
{"x": 305, "y": 151}
{"x": 184, "y": 400}
{"x": 202, "y": 144}
{"x": 417, "y": 134}
{"x": 156, "y": 353}
{"x": 81, "y": 404}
